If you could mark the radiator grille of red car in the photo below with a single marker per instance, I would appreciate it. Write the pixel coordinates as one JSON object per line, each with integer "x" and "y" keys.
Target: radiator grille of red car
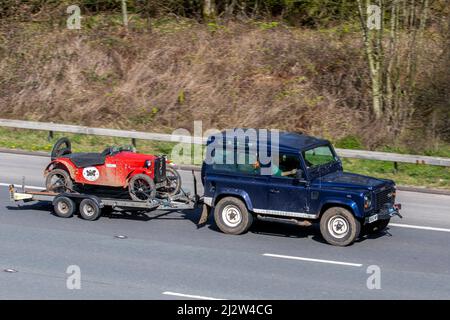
{"x": 160, "y": 169}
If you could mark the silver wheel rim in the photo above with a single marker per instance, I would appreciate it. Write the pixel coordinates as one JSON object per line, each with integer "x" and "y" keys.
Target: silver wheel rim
{"x": 88, "y": 210}
{"x": 63, "y": 207}
{"x": 338, "y": 226}
{"x": 231, "y": 215}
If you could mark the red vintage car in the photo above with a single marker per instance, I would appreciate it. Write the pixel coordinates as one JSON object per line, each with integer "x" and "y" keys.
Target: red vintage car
{"x": 144, "y": 176}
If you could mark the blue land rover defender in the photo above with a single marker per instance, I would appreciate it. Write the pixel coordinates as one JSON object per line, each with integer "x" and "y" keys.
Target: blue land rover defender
{"x": 307, "y": 184}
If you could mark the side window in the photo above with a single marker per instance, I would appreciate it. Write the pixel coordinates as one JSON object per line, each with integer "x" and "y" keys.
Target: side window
{"x": 246, "y": 163}
{"x": 220, "y": 157}
{"x": 287, "y": 167}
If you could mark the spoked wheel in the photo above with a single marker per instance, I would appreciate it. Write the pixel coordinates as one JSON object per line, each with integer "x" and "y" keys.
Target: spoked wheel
{"x": 58, "y": 181}
{"x": 173, "y": 183}
{"x": 142, "y": 188}
{"x": 61, "y": 148}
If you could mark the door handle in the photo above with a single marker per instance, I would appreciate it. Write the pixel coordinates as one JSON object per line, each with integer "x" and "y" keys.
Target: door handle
{"x": 274, "y": 191}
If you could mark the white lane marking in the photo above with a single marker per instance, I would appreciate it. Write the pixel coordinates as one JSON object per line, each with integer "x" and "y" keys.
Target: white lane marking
{"x": 410, "y": 226}
{"x": 313, "y": 260}
{"x": 169, "y": 293}
{"x": 16, "y": 184}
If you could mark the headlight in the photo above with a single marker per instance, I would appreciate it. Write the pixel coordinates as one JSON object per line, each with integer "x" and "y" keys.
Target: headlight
{"x": 367, "y": 201}
{"x": 147, "y": 164}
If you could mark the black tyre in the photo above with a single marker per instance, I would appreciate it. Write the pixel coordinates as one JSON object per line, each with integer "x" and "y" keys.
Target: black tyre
{"x": 61, "y": 148}
{"x": 173, "y": 183}
{"x": 142, "y": 188}
{"x": 231, "y": 216}
{"x": 376, "y": 227}
{"x": 89, "y": 210}
{"x": 59, "y": 181}
{"x": 64, "y": 207}
{"x": 339, "y": 227}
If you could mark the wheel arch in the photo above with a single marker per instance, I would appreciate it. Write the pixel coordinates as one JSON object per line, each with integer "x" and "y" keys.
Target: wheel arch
{"x": 241, "y": 195}
{"x": 349, "y": 205}
{"x": 134, "y": 172}
{"x": 61, "y": 164}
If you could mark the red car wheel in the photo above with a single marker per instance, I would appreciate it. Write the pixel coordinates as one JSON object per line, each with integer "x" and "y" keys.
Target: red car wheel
{"x": 141, "y": 188}
{"x": 58, "y": 180}
{"x": 173, "y": 183}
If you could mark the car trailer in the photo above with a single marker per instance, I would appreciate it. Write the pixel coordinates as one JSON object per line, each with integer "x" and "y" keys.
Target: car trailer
{"x": 91, "y": 205}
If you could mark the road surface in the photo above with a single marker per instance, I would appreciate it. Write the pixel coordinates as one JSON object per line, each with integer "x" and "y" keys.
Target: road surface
{"x": 165, "y": 256}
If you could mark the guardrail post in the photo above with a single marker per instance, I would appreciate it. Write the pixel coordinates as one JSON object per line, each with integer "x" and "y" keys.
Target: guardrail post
{"x": 50, "y": 136}
{"x": 133, "y": 142}
{"x": 395, "y": 167}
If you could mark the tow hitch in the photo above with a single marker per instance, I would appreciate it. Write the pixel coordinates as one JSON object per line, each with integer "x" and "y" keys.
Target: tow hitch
{"x": 397, "y": 207}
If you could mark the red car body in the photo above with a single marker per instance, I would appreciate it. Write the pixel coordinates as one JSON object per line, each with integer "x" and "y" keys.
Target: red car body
{"x": 116, "y": 171}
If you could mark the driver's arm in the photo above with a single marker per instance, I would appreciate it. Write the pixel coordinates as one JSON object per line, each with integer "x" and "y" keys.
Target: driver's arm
{"x": 288, "y": 173}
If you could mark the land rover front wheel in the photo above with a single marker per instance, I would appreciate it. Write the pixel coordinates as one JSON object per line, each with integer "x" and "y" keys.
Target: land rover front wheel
{"x": 339, "y": 227}
{"x": 231, "y": 216}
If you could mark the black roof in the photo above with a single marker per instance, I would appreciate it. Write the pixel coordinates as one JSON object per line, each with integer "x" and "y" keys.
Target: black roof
{"x": 288, "y": 141}
{"x": 298, "y": 141}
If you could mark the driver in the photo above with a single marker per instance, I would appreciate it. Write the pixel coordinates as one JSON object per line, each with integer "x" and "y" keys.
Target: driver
{"x": 276, "y": 171}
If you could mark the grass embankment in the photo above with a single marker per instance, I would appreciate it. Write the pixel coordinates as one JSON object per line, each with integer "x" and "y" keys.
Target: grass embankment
{"x": 407, "y": 174}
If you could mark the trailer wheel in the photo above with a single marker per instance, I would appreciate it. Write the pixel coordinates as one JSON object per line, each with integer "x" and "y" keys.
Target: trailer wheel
{"x": 64, "y": 207}
{"x": 339, "y": 227}
{"x": 231, "y": 216}
{"x": 89, "y": 210}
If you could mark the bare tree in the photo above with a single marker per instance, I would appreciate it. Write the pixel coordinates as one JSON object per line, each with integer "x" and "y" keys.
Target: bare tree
{"x": 393, "y": 75}
{"x": 125, "y": 14}
{"x": 209, "y": 9}
{"x": 373, "y": 37}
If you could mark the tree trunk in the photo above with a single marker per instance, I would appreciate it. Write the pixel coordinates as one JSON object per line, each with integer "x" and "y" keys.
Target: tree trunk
{"x": 209, "y": 10}
{"x": 125, "y": 14}
{"x": 373, "y": 47}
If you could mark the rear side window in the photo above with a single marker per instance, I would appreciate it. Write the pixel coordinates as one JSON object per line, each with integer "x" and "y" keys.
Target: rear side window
{"x": 220, "y": 160}
{"x": 247, "y": 163}
{"x": 242, "y": 162}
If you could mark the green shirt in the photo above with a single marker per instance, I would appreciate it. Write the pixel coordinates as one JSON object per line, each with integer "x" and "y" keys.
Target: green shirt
{"x": 276, "y": 171}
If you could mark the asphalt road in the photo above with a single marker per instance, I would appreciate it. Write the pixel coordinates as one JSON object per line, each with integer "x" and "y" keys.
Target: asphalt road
{"x": 165, "y": 256}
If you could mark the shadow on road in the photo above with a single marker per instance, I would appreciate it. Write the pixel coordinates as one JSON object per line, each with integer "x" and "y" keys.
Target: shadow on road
{"x": 192, "y": 215}
{"x": 258, "y": 228}
{"x": 39, "y": 206}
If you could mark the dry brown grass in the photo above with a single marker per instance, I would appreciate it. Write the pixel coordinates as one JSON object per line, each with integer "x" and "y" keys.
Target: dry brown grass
{"x": 236, "y": 75}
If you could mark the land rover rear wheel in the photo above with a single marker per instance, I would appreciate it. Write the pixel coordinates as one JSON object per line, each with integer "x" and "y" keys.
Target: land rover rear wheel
{"x": 339, "y": 227}
{"x": 231, "y": 216}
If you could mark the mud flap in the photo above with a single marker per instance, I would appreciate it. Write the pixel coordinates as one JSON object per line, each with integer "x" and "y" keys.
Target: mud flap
{"x": 204, "y": 216}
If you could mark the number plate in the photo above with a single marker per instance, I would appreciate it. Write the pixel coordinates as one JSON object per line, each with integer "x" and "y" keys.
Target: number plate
{"x": 373, "y": 218}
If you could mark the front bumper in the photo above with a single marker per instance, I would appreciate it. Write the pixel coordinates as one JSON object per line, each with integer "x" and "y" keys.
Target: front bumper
{"x": 384, "y": 214}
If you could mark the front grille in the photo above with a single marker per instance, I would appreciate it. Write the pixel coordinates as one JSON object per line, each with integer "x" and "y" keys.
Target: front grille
{"x": 160, "y": 169}
{"x": 384, "y": 196}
